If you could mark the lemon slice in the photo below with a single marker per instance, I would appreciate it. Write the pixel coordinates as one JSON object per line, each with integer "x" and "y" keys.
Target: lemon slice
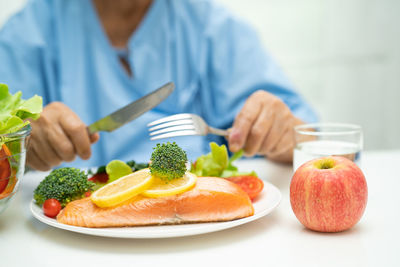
{"x": 122, "y": 189}
{"x": 161, "y": 188}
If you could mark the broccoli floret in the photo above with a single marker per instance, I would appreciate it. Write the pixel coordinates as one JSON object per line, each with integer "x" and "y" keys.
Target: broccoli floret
{"x": 64, "y": 184}
{"x": 168, "y": 161}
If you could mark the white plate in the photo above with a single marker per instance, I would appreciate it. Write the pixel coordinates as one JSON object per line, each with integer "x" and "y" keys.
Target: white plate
{"x": 268, "y": 200}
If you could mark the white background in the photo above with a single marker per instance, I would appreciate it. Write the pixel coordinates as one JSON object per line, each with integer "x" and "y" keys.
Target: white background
{"x": 342, "y": 55}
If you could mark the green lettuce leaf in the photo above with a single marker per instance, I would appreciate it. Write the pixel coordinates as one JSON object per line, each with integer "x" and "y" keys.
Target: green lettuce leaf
{"x": 213, "y": 163}
{"x": 217, "y": 163}
{"x": 15, "y": 111}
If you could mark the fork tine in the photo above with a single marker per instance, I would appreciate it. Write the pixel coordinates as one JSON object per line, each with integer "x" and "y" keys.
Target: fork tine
{"x": 171, "y": 123}
{"x": 173, "y": 134}
{"x": 170, "y": 118}
{"x": 173, "y": 129}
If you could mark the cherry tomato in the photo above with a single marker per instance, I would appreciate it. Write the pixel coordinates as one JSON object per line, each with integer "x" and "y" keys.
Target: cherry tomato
{"x": 88, "y": 194}
{"x": 99, "y": 178}
{"x": 51, "y": 207}
{"x": 252, "y": 185}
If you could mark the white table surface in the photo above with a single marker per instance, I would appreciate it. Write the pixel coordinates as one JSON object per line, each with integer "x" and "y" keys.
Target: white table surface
{"x": 275, "y": 240}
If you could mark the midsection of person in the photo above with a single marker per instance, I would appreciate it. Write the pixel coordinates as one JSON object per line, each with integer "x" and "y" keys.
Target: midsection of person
{"x": 166, "y": 41}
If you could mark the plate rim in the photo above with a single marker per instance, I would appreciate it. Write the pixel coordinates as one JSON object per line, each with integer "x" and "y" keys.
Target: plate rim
{"x": 192, "y": 228}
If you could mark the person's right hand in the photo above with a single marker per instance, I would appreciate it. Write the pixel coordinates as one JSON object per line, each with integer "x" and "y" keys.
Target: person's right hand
{"x": 58, "y": 135}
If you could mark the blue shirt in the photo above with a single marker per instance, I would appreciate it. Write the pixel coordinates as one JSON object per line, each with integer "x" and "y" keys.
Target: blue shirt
{"x": 58, "y": 49}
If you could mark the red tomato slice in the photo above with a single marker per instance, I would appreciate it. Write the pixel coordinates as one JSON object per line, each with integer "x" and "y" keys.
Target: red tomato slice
{"x": 5, "y": 168}
{"x": 99, "y": 178}
{"x": 252, "y": 185}
{"x": 10, "y": 186}
{"x": 51, "y": 207}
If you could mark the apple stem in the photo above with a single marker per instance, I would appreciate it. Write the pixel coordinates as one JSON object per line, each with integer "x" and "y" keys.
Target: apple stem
{"x": 325, "y": 163}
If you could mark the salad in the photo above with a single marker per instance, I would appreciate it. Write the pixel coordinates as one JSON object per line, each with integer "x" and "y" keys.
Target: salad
{"x": 15, "y": 116}
{"x": 217, "y": 163}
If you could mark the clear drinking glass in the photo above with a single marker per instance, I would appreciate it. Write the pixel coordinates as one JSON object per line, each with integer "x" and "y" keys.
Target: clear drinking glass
{"x": 12, "y": 163}
{"x": 327, "y": 139}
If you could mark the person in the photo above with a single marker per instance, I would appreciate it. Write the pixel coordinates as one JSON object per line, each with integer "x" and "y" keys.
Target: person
{"x": 89, "y": 58}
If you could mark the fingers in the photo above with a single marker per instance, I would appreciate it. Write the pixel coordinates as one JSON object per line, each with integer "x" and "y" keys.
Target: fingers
{"x": 283, "y": 152}
{"x": 60, "y": 142}
{"x": 281, "y": 126}
{"x": 258, "y": 132}
{"x": 264, "y": 126}
{"x": 58, "y": 135}
{"x": 40, "y": 155}
{"x": 47, "y": 135}
{"x": 94, "y": 138}
{"x": 76, "y": 130}
{"x": 243, "y": 123}
{"x": 45, "y": 152}
{"x": 34, "y": 161}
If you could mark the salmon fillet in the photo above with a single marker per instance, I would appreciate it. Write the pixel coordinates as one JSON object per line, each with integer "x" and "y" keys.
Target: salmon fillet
{"x": 212, "y": 199}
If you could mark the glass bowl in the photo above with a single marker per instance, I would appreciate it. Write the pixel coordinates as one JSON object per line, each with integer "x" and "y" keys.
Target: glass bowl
{"x": 12, "y": 163}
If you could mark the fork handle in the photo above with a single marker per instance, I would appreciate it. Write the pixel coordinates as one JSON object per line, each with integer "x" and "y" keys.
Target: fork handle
{"x": 216, "y": 131}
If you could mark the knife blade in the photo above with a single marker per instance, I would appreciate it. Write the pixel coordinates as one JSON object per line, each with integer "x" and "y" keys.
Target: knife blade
{"x": 131, "y": 111}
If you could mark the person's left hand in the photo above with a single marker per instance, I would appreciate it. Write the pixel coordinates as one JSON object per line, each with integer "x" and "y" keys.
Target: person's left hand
{"x": 264, "y": 126}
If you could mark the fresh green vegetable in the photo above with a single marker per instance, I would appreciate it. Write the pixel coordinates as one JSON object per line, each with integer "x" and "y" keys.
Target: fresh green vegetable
{"x": 117, "y": 169}
{"x": 212, "y": 164}
{"x": 217, "y": 163}
{"x": 137, "y": 166}
{"x": 101, "y": 169}
{"x": 134, "y": 166}
{"x": 15, "y": 111}
{"x": 168, "y": 161}
{"x": 64, "y": 184}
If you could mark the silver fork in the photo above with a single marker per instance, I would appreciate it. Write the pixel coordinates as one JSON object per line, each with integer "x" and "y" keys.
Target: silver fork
{"x": 180, "y": 125}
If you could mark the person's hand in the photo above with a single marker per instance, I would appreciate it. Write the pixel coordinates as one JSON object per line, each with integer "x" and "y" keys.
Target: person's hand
{"x": 264, "y": 126}
{"x": 58, "y": 135}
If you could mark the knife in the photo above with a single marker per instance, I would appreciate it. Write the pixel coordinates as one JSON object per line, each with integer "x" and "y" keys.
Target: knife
{"x": 131, "y": 111}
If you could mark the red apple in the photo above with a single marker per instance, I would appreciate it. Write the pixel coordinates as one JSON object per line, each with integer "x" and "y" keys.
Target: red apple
{"x": 328, "y": 194}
